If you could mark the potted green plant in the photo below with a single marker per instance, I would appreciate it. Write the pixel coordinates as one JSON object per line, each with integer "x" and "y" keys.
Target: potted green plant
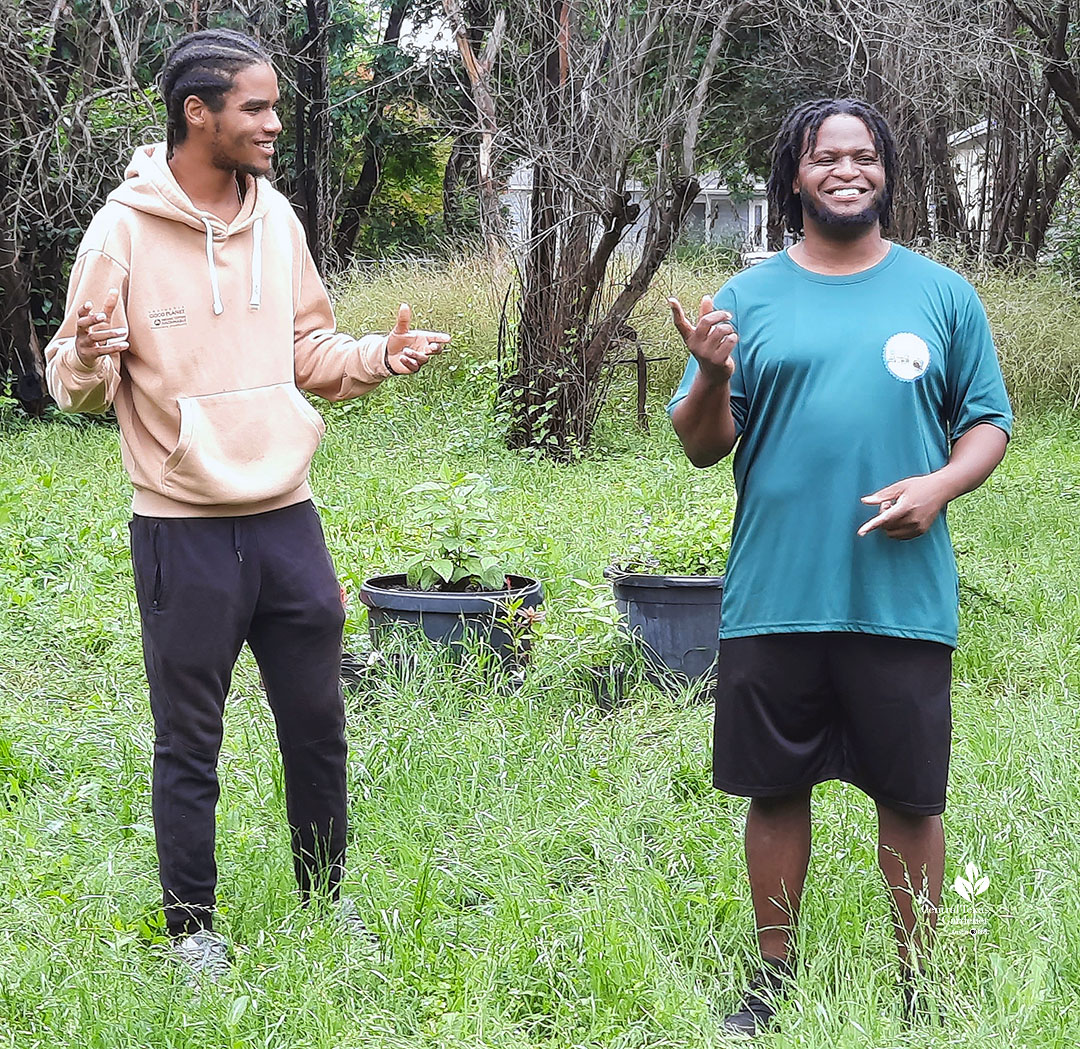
{"x": 455, "y": 586}
{"x": 669, "y": 582}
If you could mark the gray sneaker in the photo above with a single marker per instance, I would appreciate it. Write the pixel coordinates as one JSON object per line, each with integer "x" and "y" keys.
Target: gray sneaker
{"x": 352, "y": 925}
{"x": 204, "y": 955}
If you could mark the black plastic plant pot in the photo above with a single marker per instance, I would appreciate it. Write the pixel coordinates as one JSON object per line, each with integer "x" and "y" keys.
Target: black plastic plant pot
{"x": 676, "y": 618}
{"x": 497, "y": 618}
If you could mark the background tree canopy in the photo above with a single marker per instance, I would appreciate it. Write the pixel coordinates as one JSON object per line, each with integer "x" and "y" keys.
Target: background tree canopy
{"x": 394, "y": 143}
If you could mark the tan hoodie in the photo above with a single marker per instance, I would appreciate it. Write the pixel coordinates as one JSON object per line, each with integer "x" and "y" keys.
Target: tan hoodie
{"x": 227, "y": 323}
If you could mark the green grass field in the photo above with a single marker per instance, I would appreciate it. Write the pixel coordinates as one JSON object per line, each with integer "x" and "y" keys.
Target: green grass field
{"x": 544, "y": 873}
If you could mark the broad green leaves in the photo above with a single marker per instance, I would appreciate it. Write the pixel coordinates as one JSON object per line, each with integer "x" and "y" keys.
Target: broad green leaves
{"x": 457, "y": 539}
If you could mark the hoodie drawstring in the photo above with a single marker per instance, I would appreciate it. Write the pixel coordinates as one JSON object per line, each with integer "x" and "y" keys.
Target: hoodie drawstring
{"x": 218, "y": 308}
{"x": 256, "y": 264}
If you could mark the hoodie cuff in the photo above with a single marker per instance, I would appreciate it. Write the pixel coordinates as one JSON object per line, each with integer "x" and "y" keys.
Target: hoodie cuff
{"x": 79, "y": 370}
{"x": 372, "y": 350}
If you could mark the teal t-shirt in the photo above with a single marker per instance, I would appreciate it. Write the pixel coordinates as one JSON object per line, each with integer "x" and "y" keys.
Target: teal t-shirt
{"x": 842, "y": 386}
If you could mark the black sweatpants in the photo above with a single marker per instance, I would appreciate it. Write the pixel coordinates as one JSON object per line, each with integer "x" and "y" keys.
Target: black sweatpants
{"x": 204, "y": 587}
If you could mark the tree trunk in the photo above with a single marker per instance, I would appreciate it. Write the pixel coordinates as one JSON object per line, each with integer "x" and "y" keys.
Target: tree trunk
{"x": 20, "y": 350}
{"x": 313, "y": 131}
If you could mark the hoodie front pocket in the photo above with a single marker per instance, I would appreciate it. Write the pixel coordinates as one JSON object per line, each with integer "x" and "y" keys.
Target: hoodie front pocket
{"x": 245, "y": 446}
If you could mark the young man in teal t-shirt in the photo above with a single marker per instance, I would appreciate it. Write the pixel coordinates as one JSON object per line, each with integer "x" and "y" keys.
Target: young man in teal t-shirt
{"x": 864, "y": 394}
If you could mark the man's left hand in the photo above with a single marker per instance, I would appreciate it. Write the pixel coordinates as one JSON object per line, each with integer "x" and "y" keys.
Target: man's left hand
{"x": 407, "y": 351}
{"x": 907, "y": 508}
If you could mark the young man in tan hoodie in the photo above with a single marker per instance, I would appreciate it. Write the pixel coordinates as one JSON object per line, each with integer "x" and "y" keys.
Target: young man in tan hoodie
{"x": 196, "y": 311}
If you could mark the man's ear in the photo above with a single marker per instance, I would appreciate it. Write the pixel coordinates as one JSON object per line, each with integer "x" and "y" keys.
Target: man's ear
{"x": 196, "y": 112}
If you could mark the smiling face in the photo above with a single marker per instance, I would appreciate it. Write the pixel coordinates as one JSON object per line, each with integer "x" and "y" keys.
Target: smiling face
{"x": 245, "y": 129}
{"x": 841, "y": 179}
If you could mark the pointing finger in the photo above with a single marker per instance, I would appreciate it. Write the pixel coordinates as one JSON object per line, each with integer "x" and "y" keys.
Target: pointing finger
{"x": 679, "y": 317}
{"x": 881, "y": 519}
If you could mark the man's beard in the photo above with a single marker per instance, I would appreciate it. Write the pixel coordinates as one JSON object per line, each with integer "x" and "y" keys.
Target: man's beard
{"x": 221, "y": 159}
{"x": 844, "y": 225}
{"x": 223, "y": 162}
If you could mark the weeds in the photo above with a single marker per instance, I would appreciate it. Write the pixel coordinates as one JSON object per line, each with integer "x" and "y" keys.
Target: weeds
{"x": 544, "y": 872}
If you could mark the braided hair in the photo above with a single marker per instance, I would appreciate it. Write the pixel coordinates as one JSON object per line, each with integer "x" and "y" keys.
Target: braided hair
{"x": 798, "y": 135}
{"x": 204, "y": 64}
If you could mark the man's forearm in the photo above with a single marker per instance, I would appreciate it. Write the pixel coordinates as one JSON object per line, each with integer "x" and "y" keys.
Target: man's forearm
{"x": 974, "y": 458}
{"x": 704, "y": 422}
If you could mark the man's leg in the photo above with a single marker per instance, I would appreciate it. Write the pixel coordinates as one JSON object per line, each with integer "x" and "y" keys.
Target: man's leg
{"x": 911, "y": 854}
{"x": 296, "y": 638}
{"x": 777, "y": 855}
{"x": 192, "y": 607}
{"x": 898, "y": 731}
{"x": 772, "y": 739}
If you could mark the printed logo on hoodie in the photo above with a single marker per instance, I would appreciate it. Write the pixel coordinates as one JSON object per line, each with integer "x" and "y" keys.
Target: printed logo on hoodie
{"x": 171, "y": 317}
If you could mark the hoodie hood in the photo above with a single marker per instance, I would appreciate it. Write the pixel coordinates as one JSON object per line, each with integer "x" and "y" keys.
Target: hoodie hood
{"x": 149, "y": 186}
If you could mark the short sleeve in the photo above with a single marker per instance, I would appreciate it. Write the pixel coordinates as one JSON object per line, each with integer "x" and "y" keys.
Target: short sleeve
{"x": 975, "y": 388}
{"x": 723, "y": 300}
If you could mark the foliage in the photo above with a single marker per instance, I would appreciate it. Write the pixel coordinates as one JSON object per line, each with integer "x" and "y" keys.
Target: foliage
{"x": 678, "y": 540}
{"x": 459, "y": 545}
{"x": 1035, "y": 318}
{"x": 77, "y": 96}
{"x": 542, "y": 872}
{"x": 592, "y": 624}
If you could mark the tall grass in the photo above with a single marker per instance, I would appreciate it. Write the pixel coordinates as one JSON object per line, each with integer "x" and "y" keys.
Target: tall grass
{"x": 1034, "y": 315}
{"x": 543, "y": 872}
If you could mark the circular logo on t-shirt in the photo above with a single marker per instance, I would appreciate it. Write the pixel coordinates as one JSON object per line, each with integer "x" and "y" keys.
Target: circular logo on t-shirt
{"x": 906, "y": 356}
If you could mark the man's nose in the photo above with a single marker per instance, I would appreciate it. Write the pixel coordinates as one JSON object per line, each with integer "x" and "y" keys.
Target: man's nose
{"x": 273, "y": 125}
{"x": 846, "y": 167}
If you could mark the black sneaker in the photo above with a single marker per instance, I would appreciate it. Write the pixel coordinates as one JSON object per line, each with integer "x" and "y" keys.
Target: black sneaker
{"x": 758, "y": 1006}
{"x": 920, "y": 1006}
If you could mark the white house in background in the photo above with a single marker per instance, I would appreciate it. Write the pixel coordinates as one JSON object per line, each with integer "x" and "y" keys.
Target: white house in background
{"x": 967, "y": 148}
{"x": 717, "y": 216}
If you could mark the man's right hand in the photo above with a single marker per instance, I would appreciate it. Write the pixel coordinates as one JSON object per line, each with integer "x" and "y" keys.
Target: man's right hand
{"x": 711, "y": 340}
{"x": 94, "y": 334}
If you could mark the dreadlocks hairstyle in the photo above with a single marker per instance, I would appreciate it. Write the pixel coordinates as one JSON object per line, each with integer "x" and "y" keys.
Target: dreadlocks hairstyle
{"x": 204, "y": 64}
{"x": 801, "y": 126}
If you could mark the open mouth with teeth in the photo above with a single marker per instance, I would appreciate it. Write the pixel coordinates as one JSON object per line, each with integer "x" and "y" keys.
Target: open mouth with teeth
{"x": 845, "y": 193}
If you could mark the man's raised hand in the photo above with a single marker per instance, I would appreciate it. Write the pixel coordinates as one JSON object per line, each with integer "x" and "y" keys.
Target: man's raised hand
{"x": 94, "y": 334}
{"x": 711, "y": 340}
{"x": 408, "y": 351}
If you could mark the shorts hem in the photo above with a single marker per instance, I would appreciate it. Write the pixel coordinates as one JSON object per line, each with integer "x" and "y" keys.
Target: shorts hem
{"x": 909, "y": 808}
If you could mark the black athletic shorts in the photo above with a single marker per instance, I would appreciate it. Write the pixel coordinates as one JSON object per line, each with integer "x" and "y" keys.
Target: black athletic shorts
{"x": 793, "y": 710}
